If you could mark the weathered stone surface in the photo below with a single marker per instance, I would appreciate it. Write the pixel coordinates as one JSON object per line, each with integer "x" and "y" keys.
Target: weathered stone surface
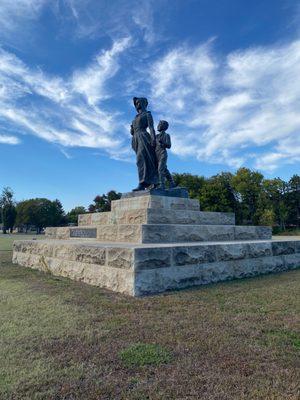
{"x": 162, "y": 216}
{"x": 193, "y": 254}
{"x": 157, "y": 216}
{"x": 257, "y": 249}
{"x": 169, "y": 203}
{"x": 156, "y": 280}
{"x": 297, "y": 246}
{"x": 130, "y": 233}
{"x": 116, "y": 279}
{"x": 154, "y": 268}
{"x": 108, "y": 233}
{"x": 136, "y": 250}
{"x": 131, "y": 217}
{"x": 174, "y": 192}
{"x": 120, "y": 257}
{"x": 236, "y": 251}
{"x": 292, "y": 261}
{"x": 58, "y": 233}
{"x": 85, "y": 219}
{"x": 252, "y": 232}
{"x": 146, "y": 258}
{"x": 280, "y": 248}
{"x": 186, "y": 233}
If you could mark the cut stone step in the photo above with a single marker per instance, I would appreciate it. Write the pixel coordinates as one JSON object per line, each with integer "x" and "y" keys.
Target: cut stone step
{"x": 156, "y": 216}
{"x": 149, "y": 201}
{"x": 155, "y": 233}
{"x": 152, "y": 268}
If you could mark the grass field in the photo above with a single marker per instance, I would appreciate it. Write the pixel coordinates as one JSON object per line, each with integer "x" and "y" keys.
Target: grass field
{"x": 65, "y": 340}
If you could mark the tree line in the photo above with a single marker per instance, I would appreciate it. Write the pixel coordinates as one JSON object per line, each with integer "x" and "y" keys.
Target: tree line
{"x": 254, "y": 199}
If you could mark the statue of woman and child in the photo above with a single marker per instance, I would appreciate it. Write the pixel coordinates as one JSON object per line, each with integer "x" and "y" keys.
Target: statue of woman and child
{"x": 150, "y": 149}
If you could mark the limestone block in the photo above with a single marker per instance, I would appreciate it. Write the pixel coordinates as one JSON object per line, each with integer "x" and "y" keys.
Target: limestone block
{"x": 58, "y": 233}
{"x": 116, "y": 279}
{"x": 100, "y": 218}
{"x": 138, "y": 270}
{"x": 149, "y": 258}
{"x": 163, "y": 279}
{"x": 88, "y": 254}
{"x": 283, "y": 247}
{"x": 291, "y": 261}
{"x": 257, "y": 249}
{"x": 185, "y": 233}
{"x": 297, "y": 246}
{"x": 176, "y": 277}
{"x": 129, "y": 233}
{"x": 164, "y": 216}
{"x": 107, "y": 233}
{"x": 263, "y": 232}
{"x": 84, "y": 219}
{"x": 234, "y": 251}
{"x": 252, "y": 232}
{"x": 131, "y": 203}
{"x": 189, "y": 255}
{"x": 156, "y": 234}
{"x": 148, "y": 201}
{"x": 120, "y": 257}
{"x": 138, "y": 216}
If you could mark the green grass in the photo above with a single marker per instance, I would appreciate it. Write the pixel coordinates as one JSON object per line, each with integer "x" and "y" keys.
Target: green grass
{"x": 6, "y": 241}
{"x": 61, "y": 339}
{"x": 142, "y": 354}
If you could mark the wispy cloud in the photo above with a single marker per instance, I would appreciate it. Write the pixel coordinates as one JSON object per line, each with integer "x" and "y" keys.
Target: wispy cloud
{"x": 17, "y": 13}
{"x": 9, "y": 139}
{"x": 225, "y": 107}
{"x": 67, "y": 112}
{"x": 222, "y": 108}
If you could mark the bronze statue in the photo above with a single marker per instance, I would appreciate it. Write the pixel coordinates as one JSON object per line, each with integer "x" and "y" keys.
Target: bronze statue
{"x": 163, "y": 142}
{"x": 143, "y": 143}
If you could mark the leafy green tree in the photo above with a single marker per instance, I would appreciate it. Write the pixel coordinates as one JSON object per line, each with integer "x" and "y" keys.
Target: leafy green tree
{"x": 217, "y": 194}
{"x": 103, "y": 203}
{"x": 8, "y": 210}
{"x": 8, "y": 217}
{"x": 72, "y": 216}
{"x": 40, "y": 213}
{"x": 25, "y": 213}
{"x": 267, "y": 217}
{"x": 193, "y": 183}
{"x": 248, "y": 188}
{"x": 293, "y": 201}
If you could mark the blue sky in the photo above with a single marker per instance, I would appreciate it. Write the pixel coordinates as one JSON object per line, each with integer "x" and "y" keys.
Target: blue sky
{"x": 224, "y": 73}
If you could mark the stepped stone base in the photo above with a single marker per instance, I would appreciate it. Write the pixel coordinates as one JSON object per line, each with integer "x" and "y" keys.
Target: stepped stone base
{"x": 148, "y": 269}
{"x": 153, "y": 241}
{"x": 161, "y": 233}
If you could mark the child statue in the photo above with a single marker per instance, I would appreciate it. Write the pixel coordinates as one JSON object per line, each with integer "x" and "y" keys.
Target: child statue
{"x": 163, "y": 142}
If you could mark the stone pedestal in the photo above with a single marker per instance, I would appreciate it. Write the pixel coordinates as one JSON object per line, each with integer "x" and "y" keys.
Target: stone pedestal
{"x": 155, "y": 241}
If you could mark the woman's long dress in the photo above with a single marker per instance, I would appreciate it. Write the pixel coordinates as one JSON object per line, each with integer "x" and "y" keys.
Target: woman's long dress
{"x": 145, "y": 152}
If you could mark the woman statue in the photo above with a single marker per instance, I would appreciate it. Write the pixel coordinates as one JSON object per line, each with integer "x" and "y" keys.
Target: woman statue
{"x": 143, "y": 143}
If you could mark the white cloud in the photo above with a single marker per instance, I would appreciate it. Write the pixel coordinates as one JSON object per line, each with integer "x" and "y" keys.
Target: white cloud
{"x": 67, "y": 112}
{"x": 222, "y": 108}
{"x": 91, "y": 81}
{"x": 13, "y": 13}
{"x": 4, "y": 139}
